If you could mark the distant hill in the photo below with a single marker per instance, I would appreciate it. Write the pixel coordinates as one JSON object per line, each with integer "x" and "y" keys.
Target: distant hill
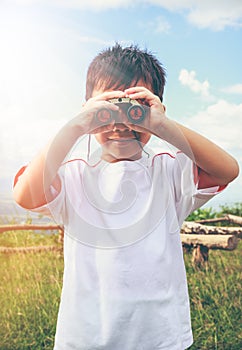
{"x": 10, "y": 211}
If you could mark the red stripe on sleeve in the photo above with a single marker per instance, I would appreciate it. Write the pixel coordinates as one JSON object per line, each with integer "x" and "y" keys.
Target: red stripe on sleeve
{"x": 19, "y": 173}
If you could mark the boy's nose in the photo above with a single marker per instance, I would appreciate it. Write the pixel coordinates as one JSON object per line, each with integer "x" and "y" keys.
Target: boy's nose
{"x": 120, "y": 127}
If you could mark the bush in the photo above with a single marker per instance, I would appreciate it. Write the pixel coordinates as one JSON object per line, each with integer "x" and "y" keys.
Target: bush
{"x": 210, "y": 213}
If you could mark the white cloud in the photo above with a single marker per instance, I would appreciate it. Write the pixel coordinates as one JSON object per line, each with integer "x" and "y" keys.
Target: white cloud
{"x": 233, "y": 89}
{"x": 189, "y": 79}
{"x": 156, "y": 25}
{"x": 222, "y": 123}
{"x": 82, "y": 4}
{"x": 161, "y": 25}
{"x": 215, "y": 15}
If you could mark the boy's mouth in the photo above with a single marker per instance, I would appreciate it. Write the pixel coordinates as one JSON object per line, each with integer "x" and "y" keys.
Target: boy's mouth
{"x": 124, "y": 136}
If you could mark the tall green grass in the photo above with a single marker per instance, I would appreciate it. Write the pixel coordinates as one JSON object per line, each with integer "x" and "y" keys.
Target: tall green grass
{"x": 30, "y": 289}
{"x": 215, "y": 296}
{"x": 30, "y": 286}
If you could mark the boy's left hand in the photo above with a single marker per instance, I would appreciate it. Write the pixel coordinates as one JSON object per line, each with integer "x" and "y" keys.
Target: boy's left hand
{"x": 156, "y": 111}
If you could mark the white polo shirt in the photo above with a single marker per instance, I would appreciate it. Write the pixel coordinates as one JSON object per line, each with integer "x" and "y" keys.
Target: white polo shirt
{"x": 124, "y": 285}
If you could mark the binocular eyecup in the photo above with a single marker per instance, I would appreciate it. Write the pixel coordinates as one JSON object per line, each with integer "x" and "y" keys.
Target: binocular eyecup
{"x": 134, "y": 111}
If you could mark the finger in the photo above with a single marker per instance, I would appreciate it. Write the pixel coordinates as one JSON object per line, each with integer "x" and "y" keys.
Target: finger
{"x": 140, "y": 95}
{"x": 109, "y": 95}
{"x": 138, "y": 92}
{"x": 140, "y": 89}
{"x": 108, "y": 105}
{"x": 95, "y": 105}
{"x": 149, "y": 98}
{"x": 136, "y": 89}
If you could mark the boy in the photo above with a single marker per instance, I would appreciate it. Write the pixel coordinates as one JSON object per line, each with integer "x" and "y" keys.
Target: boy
{"x": 124, "y": 285}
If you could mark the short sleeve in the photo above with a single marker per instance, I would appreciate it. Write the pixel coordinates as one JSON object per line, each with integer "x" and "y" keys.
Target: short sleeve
{"x": 187, "y": 195}
{"x": 54, "y": 209}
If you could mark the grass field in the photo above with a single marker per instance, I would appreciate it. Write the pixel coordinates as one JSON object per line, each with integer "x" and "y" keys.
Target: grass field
{"x": 30, "y": 287}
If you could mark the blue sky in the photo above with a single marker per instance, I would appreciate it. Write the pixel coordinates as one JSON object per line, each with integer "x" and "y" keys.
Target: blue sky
{"x": 46, "y": 47}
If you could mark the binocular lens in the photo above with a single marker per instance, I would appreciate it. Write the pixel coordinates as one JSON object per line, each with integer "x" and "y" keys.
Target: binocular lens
{"x": 136, "y": 114}
{"x": 104, "y": 115}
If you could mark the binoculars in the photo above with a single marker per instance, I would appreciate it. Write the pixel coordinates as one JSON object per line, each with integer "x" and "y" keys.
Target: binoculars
{"x": 134, "y": 111}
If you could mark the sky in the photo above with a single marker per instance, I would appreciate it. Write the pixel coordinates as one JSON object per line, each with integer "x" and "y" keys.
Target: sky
{"x": 46, "y": 47}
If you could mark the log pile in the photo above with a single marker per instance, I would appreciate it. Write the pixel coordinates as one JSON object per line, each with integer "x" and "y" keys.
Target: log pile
{"x": 201, "y": 237}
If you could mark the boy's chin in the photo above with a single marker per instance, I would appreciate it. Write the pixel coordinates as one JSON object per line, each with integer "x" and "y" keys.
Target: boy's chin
{"x": 117, "y": 157}
{"x": 117, "y": 150}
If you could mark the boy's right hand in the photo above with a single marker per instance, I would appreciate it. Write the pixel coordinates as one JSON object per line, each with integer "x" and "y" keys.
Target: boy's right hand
{"x": 86, "y": 123}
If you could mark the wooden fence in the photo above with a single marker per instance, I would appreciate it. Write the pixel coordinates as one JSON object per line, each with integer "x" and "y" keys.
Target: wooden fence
{"x": 19, "y": 227}
{"x": 196, "y": 236}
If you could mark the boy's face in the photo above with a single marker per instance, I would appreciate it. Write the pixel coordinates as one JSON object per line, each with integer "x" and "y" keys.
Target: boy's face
{"x": 122, "y": 143}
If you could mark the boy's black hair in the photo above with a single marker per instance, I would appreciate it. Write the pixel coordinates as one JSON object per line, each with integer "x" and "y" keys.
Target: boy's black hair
{"x": 118, "y": 67}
